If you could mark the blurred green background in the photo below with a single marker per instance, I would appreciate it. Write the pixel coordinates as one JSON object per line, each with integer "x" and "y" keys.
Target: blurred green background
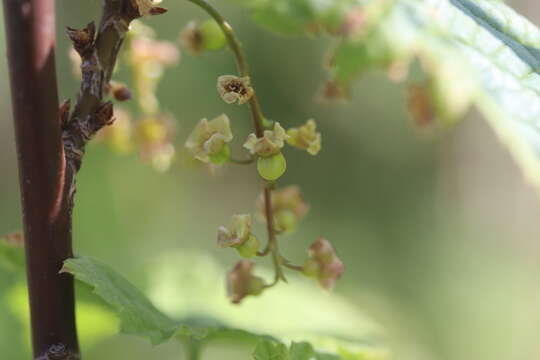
{"x": 439, "y": 234}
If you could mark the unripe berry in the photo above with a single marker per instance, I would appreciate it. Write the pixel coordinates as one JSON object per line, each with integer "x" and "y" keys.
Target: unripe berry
{"x": 272, "y": 167}
{"x": 285, "y": 220}
{"x": 249, "y": 248}
{"x": 212, "y": 36}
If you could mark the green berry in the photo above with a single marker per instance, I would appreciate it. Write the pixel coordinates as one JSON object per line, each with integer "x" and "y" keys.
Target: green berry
{"x": 222, "y": 156}
{"x": 212, "y": 35}
{"x": 285, "y": 220}
{"x": 249, "y": 248}
{"x": 272, "y": 167}
{"x": 256, "y": 286}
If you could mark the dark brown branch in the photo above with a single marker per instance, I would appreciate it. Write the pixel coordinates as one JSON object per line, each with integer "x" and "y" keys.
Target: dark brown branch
{"x": 30, "y": 29}
{"x": 98, "y": 56}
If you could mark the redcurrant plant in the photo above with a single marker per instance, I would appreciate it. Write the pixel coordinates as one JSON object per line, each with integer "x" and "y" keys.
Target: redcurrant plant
{"x": 451, "y": 55}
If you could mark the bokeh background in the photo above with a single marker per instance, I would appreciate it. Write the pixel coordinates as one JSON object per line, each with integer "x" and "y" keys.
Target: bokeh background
{"x": 440, "y": 234}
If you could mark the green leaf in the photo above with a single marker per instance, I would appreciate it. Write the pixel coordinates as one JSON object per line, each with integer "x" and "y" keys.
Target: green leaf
{"x": 137, "y": 314}
{"x": 270, "y": 350}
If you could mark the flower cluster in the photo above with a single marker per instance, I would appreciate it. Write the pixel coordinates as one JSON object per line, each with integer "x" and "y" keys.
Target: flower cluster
{"x": 282, "y": 208}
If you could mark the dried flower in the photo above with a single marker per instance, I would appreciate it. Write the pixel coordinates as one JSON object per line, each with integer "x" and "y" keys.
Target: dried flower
{"x": 332, "y": 92}
{"x": 233, "y": 88}
{"x": 288, "y": 208}
{"x": 209, "y": 138}
{"x": 241, "y": 282}
{"x": 305, "y": 137}
{"x": 421, "y": 105}
{"x": 270, "y": 144}
{"x": 324, "y": 264}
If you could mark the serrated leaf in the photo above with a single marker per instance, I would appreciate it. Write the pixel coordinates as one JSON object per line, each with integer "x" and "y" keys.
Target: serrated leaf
{"x": 137, "y": 314}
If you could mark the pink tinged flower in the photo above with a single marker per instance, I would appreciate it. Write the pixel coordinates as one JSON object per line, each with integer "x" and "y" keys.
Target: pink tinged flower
{"x": 237, "y": 233}
{"x": 324, "y": 263}
{"x": 241, "y": 282}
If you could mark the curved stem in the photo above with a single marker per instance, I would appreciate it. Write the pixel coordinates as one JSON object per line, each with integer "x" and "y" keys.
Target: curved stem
{"x": 259, "y": 125}
{"x": 241, "y": 63}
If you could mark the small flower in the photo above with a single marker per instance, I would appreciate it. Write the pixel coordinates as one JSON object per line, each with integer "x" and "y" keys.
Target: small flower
{"x": 238, "y": 231}
{"x": 210, "y": 138}
{"x": 241, "y": 282}
{"x": 288, "y": 208}
{"x": 238, "y": 235}
{"x": 270, "y": 144}
{"x": 324, "y": 264}
{"x": 154, "y": 135}
{"x": 146, "y": 49}
{"x": 305, "y": 137}
{"x": 233, "y": 88}
{"x": 118, "y": 136}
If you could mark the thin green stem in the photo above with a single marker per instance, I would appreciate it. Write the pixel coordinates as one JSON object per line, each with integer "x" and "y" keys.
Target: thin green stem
{"x": 241, "y": 63}
{"x": 292, "y": 266}
{"x": 273, "y": 246}
{"x": 259, "y": 123}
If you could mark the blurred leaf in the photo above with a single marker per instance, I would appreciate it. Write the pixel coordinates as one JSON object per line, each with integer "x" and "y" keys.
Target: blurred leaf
{"x": 270, "y": 350}
{"x": 11, "y": 255}
{"x": 274, "y": 350}
{"x": 475, "y": 52}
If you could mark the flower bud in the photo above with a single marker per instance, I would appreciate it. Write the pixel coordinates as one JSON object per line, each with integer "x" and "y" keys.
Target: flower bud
{"x": 305, "y": 137}
{"x": 235, "y": 89}
{"x": 241, "y": 282}
{"x": 324, "y": 264}
{"x": 209, "y": 139}
{"x": 120, "y": 91}
{"x": 271, "y": 168}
